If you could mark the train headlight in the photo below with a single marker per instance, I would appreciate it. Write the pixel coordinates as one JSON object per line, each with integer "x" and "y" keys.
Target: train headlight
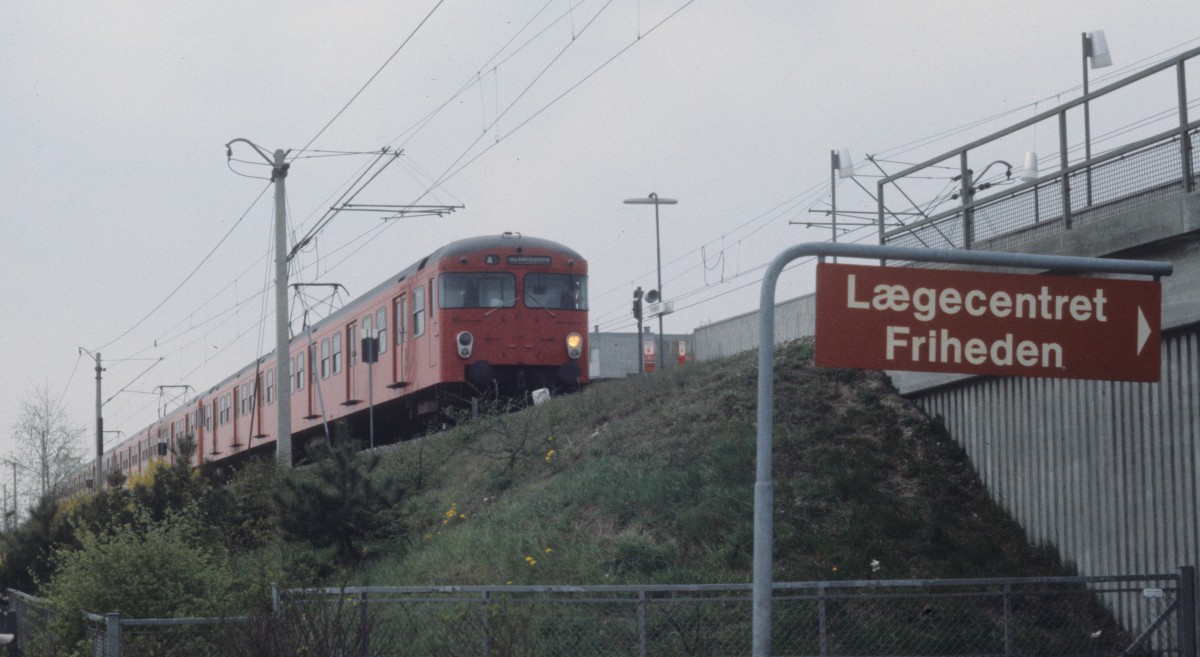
{"x": 466, "y": 342}
{"x": 574, "y": 345}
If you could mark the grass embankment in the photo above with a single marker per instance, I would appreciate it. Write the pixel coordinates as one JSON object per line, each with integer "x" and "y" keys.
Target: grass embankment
{"x": 650, "y": 480}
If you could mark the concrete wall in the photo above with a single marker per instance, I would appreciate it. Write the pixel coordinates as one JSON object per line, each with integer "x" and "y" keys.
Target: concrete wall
{"x": 795, "y": 318}
{"x": 615, "y": 355}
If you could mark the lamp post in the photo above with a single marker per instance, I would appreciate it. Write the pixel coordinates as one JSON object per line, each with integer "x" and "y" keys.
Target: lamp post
{"x": 841, "y": 166}
{"x": 1095, "y": 48}
{"x": 653, "y": 199}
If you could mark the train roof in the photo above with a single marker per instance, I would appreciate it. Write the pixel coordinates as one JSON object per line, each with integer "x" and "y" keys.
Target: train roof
{"x": 455, "y": 248}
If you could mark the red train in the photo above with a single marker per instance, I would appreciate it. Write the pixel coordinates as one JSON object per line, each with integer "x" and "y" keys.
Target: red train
{"x": 485, "y": 315}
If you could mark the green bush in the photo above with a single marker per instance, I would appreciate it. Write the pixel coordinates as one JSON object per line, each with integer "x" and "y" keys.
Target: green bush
{"x": 141, "y": 570}
{"x": 339, "y": 504}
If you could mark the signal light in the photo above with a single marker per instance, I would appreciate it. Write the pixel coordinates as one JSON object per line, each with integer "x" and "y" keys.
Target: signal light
{"x": 637, "y": 304}
{"x": 574, "y": 345}
{"x": 466, "y": 343}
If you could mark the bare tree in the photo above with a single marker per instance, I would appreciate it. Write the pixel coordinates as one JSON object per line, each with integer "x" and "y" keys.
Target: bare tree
{"x": 48, "y": 448}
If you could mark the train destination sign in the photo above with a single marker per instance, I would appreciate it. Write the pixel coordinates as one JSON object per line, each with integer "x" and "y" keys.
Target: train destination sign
{"x": 928, "y": 320}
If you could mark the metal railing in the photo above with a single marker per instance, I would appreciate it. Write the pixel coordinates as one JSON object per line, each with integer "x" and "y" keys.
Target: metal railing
{"x": 1142, "y": 615}
{"x": 1144, "y": 171}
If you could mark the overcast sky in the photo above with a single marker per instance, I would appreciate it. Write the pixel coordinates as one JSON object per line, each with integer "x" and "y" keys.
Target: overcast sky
{"x": 125, "y": 231}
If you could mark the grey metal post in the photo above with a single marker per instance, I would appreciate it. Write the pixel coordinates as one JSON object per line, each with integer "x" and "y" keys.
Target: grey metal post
{"x": 822, "y": 619}
{"x": 654, "y": 199}
{"x": 1187, "y": 611}
{"x": 98, "y": 483}
{"x": 1087, "y": 118}
{"x": 112, "y": 635}
{"x": 880, "y": 207}
{"x": 642, "y": 624}
{"x": 371, "y": 393}
{"x": 763, "y": 485}
{"x": 363, "y": 626}
{"x": 483, "y": 623}
{"x": 1063, "y": 163}
{"x": 968, "y": 195}
{"x": 660, "y": 359}
{"x": 1008, "y": 633}
{"x": 1185, "y": 140}
{"x": 834, "y": 162}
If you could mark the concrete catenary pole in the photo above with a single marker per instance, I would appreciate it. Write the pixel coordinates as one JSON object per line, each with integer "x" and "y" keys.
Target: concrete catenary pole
{"x": 283, "y": 434}
{"x": 283, "y": 409}
{"x": 98, "y": 482}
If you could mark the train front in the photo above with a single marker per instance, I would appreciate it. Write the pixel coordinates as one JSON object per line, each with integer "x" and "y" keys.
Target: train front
{"x": 514, "y": 314}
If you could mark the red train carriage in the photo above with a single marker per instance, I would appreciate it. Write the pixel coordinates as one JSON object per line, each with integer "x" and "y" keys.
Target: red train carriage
{"x": 480, "y": 316}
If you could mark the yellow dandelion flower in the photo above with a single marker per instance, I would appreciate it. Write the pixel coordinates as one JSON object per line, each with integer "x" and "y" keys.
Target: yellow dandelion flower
{"x": 548, "y": 550}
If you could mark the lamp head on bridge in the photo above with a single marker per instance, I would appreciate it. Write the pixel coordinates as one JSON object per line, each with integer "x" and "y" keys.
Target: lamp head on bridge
{"x": 1030, "y": 170}
{"x": 842, "y": 163}
{"x": 1095, "y": 48}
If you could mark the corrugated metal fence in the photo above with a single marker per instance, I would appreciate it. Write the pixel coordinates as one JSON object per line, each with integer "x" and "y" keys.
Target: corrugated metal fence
{"x": 1106, "y": 471}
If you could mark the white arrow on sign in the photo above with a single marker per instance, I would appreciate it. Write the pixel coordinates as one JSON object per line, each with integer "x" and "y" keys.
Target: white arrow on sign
{"x": 1143, "y": 330}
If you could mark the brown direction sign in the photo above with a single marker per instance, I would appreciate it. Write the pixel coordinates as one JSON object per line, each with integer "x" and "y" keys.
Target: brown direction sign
{"x": 929, "y": 320}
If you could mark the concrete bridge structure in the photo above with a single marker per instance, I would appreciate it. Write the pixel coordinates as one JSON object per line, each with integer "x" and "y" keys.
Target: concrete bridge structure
{"x": 1106, "y": 472}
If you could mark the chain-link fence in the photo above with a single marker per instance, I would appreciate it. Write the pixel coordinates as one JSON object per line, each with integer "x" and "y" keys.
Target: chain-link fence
{"x": 1153, "y": 615}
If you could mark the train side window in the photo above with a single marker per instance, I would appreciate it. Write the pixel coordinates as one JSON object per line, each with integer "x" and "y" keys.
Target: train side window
{"x": 325, "y": 358}
{"x": 300, "y": 371}
{"x": 270, "y": 387}
{"x": 337, "y": 353}
{"x": 418, "y": 314}
{"x": 352, "y": 343}
{"x": 381, "y": 329}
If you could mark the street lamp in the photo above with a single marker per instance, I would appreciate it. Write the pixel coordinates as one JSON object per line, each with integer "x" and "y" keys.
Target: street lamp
{"x": 841, "y": 166}
{"x": 1095, "y": 48}
{"x": 654, "y": 200}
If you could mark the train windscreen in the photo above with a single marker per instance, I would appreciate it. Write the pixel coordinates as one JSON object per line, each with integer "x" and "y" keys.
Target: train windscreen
{"x": 477, "y": 290}
{"x": 556, "y": 291}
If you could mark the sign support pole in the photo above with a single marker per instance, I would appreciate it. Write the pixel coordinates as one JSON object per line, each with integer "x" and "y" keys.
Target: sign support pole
{"x": 763, "y": 485}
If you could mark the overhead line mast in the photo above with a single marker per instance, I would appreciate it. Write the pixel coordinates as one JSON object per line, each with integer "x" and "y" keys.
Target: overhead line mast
{"x": 283, "y": 409}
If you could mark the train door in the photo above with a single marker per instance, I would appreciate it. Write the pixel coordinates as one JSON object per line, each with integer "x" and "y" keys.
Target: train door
{"x": 351, "y": 361}
{"x": 398, "y": 369}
